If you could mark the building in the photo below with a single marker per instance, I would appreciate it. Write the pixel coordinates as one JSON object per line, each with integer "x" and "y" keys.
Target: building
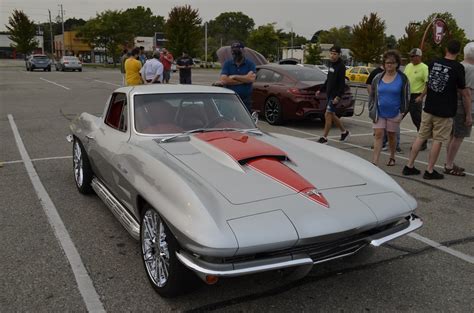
{"x": 72, "y": 45}
{"x": 8, "y": 52}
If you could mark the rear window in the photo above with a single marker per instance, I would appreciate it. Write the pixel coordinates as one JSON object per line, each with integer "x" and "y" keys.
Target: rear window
{"x": 70, "y": 58}
{"x": 306, "y": 74}
{"x": 40, "y": 57}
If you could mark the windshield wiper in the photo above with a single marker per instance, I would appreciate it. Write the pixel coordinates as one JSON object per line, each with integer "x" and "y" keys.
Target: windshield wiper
{"x": 206, "y": 130}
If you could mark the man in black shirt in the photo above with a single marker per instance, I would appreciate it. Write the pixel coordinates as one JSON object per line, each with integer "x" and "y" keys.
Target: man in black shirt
{"x": 446, "y": 77}
{"x": 184, "y": 63}
{"x": 334, "y": 87}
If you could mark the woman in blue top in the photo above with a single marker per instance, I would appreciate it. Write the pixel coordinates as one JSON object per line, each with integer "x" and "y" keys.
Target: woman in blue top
{"x": 388, "y": 104}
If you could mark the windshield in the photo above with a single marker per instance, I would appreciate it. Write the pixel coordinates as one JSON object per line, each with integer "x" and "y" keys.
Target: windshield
{"x": 306, "y": 74}
{"x": 178, "y": 113}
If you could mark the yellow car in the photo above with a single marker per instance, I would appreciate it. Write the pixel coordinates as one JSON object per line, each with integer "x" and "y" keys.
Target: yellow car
{"x": 359, "y": 74}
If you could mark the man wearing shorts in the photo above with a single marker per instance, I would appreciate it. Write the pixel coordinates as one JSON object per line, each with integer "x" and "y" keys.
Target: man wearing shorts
{"x": 446, "y": 76}
{"x": 462, "y": 123}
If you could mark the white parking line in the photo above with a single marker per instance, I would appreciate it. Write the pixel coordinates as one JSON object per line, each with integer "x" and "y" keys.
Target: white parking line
{"x": 101, "y": 81}
{"x": 364, "y": 148}
{"x": 55, "y": 83}
{"x": 439, "y": 246}
{"x": 39, "y": 159}
{"x": 84, "y": 282}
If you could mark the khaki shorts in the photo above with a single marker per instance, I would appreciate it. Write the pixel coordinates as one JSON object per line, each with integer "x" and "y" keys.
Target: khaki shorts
{"x": 435, "y": 127}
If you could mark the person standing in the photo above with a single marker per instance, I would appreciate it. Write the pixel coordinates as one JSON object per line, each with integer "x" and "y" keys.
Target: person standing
{"x": 132, "y": 69}
{"x": 417, "y": 73}
{"x": 238, "y": 74}
{"x": 334, "y": 87}
{"x": 142, "y": 56}
{"x": 166, "y": 59}
{"x": 446, "y": 76}
{"x": 388, "y": 103}
{"x": 462, "y": 122}
{"x": 123, "y": 58}
{"x": 184, "y": 63}
{"x": 152, "y": 70}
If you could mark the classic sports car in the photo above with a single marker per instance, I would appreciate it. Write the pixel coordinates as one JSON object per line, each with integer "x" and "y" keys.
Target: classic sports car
{"x": 187, "y": 172}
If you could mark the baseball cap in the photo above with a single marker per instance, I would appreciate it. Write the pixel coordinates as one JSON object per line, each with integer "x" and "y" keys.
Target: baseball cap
{"x": 237, "y": 45}
{"x": 415, "y": 51}
{"x": 335, "y": 48}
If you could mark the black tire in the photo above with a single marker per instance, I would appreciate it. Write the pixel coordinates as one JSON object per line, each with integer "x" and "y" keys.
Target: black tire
{"x": 49, "y": 69}
{"x": 273, "y": 111}
{"x": 62, "y": 69}
{"x": 80, "y": 70}
{"x": 82, "y": 170}
{"x": 179, "y": 279}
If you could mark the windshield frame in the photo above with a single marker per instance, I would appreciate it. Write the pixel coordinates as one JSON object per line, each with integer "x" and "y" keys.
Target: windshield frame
{"x": 164, "y": 135}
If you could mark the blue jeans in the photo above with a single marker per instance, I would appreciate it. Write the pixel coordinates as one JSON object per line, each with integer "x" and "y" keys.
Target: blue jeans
{"x": 330, "y": 106}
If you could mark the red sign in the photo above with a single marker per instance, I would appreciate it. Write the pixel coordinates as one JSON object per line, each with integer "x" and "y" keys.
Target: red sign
{"x": 439, "y": 30}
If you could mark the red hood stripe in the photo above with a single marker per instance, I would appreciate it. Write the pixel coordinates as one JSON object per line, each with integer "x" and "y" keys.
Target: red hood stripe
{"x": 261, "y": 157}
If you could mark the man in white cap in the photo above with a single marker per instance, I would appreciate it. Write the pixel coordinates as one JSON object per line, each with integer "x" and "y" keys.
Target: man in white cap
{"x": 417, "y": 73}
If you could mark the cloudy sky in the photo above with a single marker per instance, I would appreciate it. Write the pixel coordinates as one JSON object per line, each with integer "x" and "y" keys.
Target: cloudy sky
{"x": 305, "y": 16}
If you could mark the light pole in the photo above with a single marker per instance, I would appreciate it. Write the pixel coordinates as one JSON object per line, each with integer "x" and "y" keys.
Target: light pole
{"x": 205, "y": 44}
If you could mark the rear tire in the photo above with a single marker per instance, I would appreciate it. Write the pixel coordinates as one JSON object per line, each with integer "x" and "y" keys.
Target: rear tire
{"x": 273, "y": 111}
{"x": 82, "y": 169}
{"x": 165, "y": 272}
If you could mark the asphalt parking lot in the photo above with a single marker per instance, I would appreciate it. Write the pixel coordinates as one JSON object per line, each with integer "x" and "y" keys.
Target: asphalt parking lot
{"x": 432, "y": 270}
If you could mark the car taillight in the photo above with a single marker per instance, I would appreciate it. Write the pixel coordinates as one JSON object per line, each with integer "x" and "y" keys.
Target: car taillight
{"x": 301, "y": 92}
{"x": 66, "y": 62}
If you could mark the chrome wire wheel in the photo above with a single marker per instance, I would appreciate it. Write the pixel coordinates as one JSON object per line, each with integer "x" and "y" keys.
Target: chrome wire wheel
{"x": 78, "y": 164}
{"x": 273, "y": 110}
{"x": 155, "y": 248}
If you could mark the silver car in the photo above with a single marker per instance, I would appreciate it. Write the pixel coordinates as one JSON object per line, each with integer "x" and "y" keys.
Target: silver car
{"x": 38, "y": 61}
{"x": 207, "y": 194}
{"x": 69, "y": 63}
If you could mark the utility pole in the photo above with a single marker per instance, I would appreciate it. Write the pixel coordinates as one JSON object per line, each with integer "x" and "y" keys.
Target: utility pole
{"x": 205, "y": 43}
{"x": 291, "y": 42}
{"x": 62, "y": 24}
{"x": 51, "y": 32}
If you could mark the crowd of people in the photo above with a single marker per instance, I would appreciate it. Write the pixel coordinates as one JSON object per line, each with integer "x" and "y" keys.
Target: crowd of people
{"x": 139, "y": 67}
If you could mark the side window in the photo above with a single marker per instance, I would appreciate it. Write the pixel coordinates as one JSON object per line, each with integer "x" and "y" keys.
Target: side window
{"x": 264, "y": 75}
{"x": 355, "y": 70}
{"x": 117, "y": 113}
{"x": 364, "y": 71}
{"x": 276, "y": 77}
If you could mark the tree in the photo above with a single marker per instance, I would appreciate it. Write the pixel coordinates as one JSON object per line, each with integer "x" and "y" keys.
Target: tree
{"x": 368, "y": 39}
{"x": 337, "y": 36}
{"x": 231, "y": 26}
{"x": 22, "y": 32}
{"x": 73, "y": 24}
{"x": 313, "y": 54}
{"x": 316, "y": 35}
{"x": 142, "y": 22}
{"x": 265, "y": 40}
{"x": 414, "y": 34}
{"x": 390, "y": 42}
{"x": 107, "y": 30}
{"x": 183, "y": 31}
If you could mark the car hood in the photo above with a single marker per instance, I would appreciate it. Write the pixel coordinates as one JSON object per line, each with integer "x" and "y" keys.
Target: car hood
{"x": 245, "y": 168}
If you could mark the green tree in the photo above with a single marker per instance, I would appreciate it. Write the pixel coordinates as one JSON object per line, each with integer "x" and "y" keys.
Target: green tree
{"x": 142, "y": 22}
{"x": 390, "y": 42}
{"x": 22, "y": 32}
{"x": 264, "y": 39}
{"x": 411, "y": 39}
{"x": 337, "y": 36}
{"x": 231, "y": 26}
{"x": 368, "y": 39}
{"x": 313, "y": 54}
{"x": 107, "y": 30}
{"x": 183, "y": 31}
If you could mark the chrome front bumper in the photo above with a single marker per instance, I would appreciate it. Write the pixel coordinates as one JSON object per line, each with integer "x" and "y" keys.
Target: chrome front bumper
{"x": 203, "y": 268}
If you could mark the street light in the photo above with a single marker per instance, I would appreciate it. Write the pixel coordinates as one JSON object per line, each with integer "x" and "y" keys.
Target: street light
{"x": 205, "y": 44}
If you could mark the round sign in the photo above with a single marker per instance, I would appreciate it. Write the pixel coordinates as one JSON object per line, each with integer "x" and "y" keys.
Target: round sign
{"x": 439, "y": 30}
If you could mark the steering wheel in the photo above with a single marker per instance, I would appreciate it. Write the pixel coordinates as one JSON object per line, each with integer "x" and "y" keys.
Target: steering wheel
{"x": 216, "y": 121}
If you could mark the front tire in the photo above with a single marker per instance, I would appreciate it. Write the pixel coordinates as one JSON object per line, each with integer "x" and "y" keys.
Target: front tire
{"x": 273, "y": 111}
{"x": 82, "y": 169}
{"x": 165, "y": 272}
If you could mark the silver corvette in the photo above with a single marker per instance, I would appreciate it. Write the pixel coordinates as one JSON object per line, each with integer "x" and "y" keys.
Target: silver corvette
{"x": 188, "y": 174}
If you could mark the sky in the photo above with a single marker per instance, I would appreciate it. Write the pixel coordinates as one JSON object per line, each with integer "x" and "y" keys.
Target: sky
{"x": 304, "y": 16}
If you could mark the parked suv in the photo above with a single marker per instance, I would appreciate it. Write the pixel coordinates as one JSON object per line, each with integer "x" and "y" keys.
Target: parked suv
{"x": 38, "y": 61}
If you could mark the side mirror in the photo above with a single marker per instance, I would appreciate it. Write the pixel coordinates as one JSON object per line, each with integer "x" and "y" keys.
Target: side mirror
{"x": 255, "y": 117}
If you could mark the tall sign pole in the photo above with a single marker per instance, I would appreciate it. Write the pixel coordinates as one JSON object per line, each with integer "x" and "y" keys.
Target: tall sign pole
{"x": 62, "y": 24}
{"x": 205, "y": 43}
{"x": 51, "y": 32}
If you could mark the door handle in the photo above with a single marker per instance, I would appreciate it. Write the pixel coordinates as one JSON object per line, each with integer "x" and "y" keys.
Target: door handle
{"x": 266, "y": 86}
{"x": 90, "y": 137}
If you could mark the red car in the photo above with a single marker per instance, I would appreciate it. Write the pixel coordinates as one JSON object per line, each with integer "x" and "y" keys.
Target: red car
{"x": 287, "y": 92}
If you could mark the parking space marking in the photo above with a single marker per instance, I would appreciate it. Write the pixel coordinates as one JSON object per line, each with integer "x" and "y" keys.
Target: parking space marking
{"x": 367, "y": 149}
{"x": 439, "y": 246}
{"x": 104, "y": 82}
{"x": 84, "y": 282}
{"x": 39, "y": 159}
{"x": 55, "y": 83}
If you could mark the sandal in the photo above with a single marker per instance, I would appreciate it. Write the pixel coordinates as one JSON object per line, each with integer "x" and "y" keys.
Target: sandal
{"x": 458, "y": 168}
{"x": 454, "y": 171}
{"x": 391, "y": 162}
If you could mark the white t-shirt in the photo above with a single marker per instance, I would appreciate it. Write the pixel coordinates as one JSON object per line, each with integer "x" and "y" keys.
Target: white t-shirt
{"x": 151, "y": 68}
{"x": 469, "y": 69}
